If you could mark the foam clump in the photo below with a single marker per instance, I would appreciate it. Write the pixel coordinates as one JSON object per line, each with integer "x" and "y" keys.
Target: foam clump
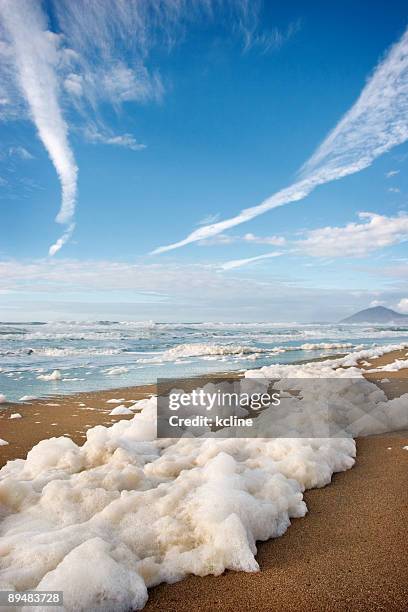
{"x": 54, "y": 375}
{"x": 395, "y": 366}
{"x": 3, "y": 398}
{"x": 337, "y": 400}
{"x": 147, "y": 511}
{"x": 120, "y": 410}
{"x": 16, "y": 415}
{"x": 113, "y": 587}
{"x": 116, "y": 371}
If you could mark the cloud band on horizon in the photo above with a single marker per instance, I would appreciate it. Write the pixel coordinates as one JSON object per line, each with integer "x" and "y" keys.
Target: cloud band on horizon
{"x": 377, "y": 122}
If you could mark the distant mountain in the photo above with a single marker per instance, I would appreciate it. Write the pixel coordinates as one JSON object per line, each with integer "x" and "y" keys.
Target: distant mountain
{"x": 377, "y": 314}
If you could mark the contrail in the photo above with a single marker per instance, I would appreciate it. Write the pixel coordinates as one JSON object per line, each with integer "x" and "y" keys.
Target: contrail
{"x": 238, "y": 263}
{"x": 35, "y": 55}
{"x": 377, "y": 122}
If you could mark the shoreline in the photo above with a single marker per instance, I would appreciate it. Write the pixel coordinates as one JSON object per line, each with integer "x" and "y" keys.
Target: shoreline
{"x": 72, "y": 415}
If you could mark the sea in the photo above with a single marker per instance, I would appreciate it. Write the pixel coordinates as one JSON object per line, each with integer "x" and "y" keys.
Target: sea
{"x": 43, "y": 359}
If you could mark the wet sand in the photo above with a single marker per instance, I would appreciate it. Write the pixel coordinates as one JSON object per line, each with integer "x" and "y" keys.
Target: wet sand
{"x": 55, "y": 416}
{"x": 348, "y": 554}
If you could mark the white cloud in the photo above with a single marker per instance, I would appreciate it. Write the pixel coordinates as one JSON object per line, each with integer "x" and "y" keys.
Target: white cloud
{"x": 376, "y": 122}
{"x": 375, "y": 303}
{"x": 95, "y": 135}
{"x": 402, "y": 305}
{"x": 123, "y": 84}
{"x": 66, "y": 236}
{"x": 20, "y": 152}
{"x": 273, "y": 240}
{"x": 391, "y": 173}
{"x": 265, "y": 40}
{"x": 211, "y": 218}
{"x": 35, "y": 56}
{"x": 74, "y": 84}
{"x": 220, "y": 239}
{"x": 239, "y": 263}
{"x": 394, "y": 190}
{"x": 356, "y": 239}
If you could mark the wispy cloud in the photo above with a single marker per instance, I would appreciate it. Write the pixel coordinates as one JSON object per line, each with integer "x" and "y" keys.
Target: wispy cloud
{"x": 35, "y": 54}
{"x": 211, "y": 218}
{"x": 107, "y": 50}
{"x": 272, "y": 240}
{"x": 376, "y": 123}
{"x": 252, "y": 238}
{"x": 239, "y": 263}
{"x": 104, "y": 136}
{"x": 20, "y": 152}
{"x": 391, "y": 173}
{"x": 254, "y": 37}
{"x": 355, "y": 239}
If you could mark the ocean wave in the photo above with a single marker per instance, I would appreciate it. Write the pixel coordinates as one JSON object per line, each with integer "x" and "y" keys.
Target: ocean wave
{"x": 325, "y": 346}
{"x": 196, "y": 350}
{"x": 222, "y": 350}
{"x": 62, "y": 352}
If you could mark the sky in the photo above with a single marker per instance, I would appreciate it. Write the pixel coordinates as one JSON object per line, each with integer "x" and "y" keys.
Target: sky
{"x": 202, "y": 160}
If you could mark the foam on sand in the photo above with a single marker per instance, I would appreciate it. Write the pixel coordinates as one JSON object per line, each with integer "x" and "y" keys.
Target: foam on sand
{"x": 121, "y": 410}
{"x": 126, "y": 511}
{"x": 147, "y": 511}
{"x": 16, "y": 415}
{"x": 395, "y": 366}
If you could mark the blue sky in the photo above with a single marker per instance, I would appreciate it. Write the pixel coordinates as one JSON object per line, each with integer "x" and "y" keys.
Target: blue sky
{"x": 157, "y": 124}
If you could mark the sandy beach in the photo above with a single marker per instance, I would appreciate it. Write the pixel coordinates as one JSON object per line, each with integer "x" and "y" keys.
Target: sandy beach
{"x": 348, "y": 553}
